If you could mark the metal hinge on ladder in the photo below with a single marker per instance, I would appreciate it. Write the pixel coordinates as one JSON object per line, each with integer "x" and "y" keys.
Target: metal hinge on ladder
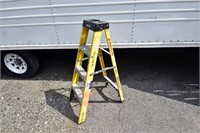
{"x": 83, "y": 94}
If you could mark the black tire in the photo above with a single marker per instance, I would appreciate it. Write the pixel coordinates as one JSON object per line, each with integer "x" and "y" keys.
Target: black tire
{"x": 30, "y": 59}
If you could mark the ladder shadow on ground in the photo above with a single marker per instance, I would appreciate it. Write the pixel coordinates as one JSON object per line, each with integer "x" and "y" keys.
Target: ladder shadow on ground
{"x": 59, "y": 101}
{"x": 105, "y": 97}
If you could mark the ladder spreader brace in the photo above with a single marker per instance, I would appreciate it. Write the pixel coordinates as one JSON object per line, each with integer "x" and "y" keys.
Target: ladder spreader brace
{"x": 82, "y": 95}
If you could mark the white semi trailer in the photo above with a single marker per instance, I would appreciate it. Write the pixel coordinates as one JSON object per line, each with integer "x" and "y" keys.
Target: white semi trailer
{"x": 56, "y": 24}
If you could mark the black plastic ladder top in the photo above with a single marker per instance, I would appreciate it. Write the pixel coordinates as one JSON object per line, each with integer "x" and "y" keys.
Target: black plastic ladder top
{"x": 95, "y": 25}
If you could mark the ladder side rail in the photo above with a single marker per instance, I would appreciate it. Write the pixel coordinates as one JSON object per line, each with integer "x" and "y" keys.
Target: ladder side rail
{"x": 80, "y": 55}
{"x": 112, "y": 56}
{"x": 90, "y": 69}
{"x": 102, "y": 63}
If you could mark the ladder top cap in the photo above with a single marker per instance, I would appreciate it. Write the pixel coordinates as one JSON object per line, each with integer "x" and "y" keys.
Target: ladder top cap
{"x": 95, "y": 24}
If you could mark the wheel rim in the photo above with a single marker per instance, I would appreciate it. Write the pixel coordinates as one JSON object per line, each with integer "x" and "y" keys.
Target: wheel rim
{"x": 15, "y": 63}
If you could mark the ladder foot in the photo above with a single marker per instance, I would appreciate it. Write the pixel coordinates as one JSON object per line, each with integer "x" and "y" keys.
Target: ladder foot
{"x": 71, "y": 95}
{"x": 121, "y": 101}
{"x": 106, "y": 83}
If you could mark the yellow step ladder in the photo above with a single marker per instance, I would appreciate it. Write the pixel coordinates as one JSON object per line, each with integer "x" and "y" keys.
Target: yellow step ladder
{"x": 83, "y": 94}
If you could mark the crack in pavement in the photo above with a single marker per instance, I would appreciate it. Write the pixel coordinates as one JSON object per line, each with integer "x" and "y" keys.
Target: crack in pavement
{"x": 119, "y": 119}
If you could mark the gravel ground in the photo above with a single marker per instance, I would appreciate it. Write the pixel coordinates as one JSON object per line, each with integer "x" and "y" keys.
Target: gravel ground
{"x": 159, "y": 87}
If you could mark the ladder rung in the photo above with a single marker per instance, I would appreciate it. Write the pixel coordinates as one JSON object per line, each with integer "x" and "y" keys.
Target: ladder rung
{"x": 104, "y": 50}
{"x": 85, "y": 49}
{"x": 102, "y": 70}
{"x": 78, "y": 92}
{"x": 81, "y": 72}
{"x": 111, "y": 82}
{"x": 86, "y": 58}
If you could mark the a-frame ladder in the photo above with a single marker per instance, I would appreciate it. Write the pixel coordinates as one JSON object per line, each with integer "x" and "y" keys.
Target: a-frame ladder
{"x": 83, "y": 94}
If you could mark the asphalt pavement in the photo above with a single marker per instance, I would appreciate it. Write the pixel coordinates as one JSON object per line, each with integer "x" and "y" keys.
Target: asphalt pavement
{"x": 160, "y": 87}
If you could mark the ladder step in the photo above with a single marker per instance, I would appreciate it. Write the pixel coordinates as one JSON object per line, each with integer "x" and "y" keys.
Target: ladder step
{"x": 85, "y": 49}
{"x": 81, "y": 72}
{"x": 78, "y": 92}
{"x": 111, "y": 82}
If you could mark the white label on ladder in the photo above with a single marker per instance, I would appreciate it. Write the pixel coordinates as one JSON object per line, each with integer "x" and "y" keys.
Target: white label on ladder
{"x": 96, "y": 46}
{"x": 88, "y": 85}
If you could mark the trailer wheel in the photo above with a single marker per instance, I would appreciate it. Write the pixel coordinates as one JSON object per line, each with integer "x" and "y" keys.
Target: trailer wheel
{"x": 20, "y": 64}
